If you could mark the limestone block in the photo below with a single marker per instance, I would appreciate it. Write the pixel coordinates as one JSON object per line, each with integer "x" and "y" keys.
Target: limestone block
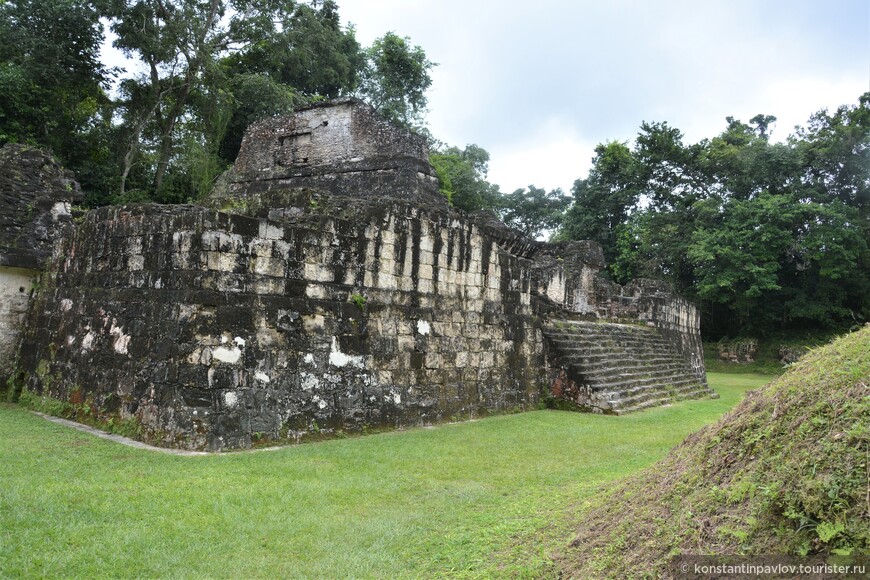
{"x": 387, "y": 281}
{"x": 461, "y": 360}
{"x": 424, "y": 271}
{"x": 270, "y": 231}
{"x": 270, "y": 286}
{"x": 316, "y": 291}
{"x": 426, "y": 244}
{"x": 387, "y": 255}
{"x": 136, "y": 262}
{"x": 433, "y": 360}
{"x": 227, "y": 261}
{"x": 406, "y": 284}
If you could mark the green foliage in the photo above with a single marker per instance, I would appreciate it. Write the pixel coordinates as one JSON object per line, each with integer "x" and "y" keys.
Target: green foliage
{"x": 255, "y": 96}
{"x": 50, "y": 75}
{"x": 298, "y": 46}
{"x": 767, "y": 237}
{"x": 603, "y": 201}
{"x": 533, "y": 210}
{"x": 359, "y": 300}
{"x": 53, "y": 84}
{"x": 204, "y": 72}
{"x": 462, "y": 178}
{"x": 395, "y": 79}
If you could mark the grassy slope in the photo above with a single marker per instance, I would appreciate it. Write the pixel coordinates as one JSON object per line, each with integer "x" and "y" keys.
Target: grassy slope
{"x": 463, "y": 499}
{"x": 787, "y": 471}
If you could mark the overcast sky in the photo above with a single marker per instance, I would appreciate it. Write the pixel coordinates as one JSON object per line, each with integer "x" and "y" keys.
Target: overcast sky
{"x": 539, "y": 83}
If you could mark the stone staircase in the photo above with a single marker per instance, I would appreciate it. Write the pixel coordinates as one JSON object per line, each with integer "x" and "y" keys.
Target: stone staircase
{"x": 619, "y": 368}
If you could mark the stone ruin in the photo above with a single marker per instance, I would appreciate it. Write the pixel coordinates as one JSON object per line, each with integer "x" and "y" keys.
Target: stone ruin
{"x": 36, "y": 199}
{"x": 326, "y": 286}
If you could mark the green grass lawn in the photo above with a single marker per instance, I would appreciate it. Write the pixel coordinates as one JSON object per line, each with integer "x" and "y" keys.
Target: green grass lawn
{"x": 490, "y": 497}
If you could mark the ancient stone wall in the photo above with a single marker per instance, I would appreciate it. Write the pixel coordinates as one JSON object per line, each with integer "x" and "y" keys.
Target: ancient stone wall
{"x": 569, "y": 276}
{"x": 15, "y": 287}
{"x": 340, "y": 147}
{"x": 36, "y": 195}
{"x": 325, "y": 286}
{"x": 213, "y": 330}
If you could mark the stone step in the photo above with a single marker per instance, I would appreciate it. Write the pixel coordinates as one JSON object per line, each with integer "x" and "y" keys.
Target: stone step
{"x": 591, "y": 328}
{"x": 621, "y": 354}
{"x": 654, "y": 373}
{"x": 607, "y": 339}
{"x": 615, "y": 389}
{"x": 622, "y": 364}
{"x": 628, "y": 368}
{"x": 611, "y": 348}
{"x": 614, "y": 365}
{"x": 645, "y": 405}
{"x": 619, "y": 382}
{"x": 699, "y": 394}
{"x": 630, "y": 396}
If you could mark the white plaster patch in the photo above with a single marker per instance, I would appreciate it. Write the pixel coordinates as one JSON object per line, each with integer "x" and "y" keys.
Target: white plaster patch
{"x": 65, "y": 305}
{"x": 270, "y": 232}
{"x": 88, "y": 340}
{"x": 423, "y": 327}
{"x": 231, "y": 399}
{"x": 581, "y": 303}
{"x": 60, "y": 208}
{"x": 136, "y": 262}
{"x": 309, "y": 359}
{"x": 320, "y": 402}
{"x": 340, "y": 359}
{"x": 309, "y": 381}
{"x": 122, "y": 341}
{"x": 262, "y": 377}
{"x": 227, "y": 355}
{"x": 239, "y": 341}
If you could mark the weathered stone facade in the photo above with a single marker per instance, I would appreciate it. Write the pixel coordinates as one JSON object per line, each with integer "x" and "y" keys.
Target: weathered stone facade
{"x": 36, "y": 197}
{"x": 340, "y": 147}
{"x": 212, "y": 328}
{"x": 301, "y": 301}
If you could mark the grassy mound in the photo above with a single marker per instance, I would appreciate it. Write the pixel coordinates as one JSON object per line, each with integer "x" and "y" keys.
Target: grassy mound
{"x": 786, "y": 472}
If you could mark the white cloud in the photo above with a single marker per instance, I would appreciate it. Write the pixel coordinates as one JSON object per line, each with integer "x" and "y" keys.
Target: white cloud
{"x": 554, "y": 156}
{"x": 539, "y": 84}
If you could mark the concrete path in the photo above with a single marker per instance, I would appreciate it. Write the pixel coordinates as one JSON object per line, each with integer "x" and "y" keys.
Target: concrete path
{"x": 119, "y": 438}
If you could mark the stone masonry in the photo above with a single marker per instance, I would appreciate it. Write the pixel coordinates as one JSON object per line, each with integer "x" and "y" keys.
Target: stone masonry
{"x": 36, "y": 197}
{"x": 326, "y": 286}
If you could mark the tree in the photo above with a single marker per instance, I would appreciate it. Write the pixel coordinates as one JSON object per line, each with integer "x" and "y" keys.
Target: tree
{"x": 206, "y": 59}
{"x": 395, "y": 79}
{"x": 835, "y": 151}
{"x": 603, "y": 201}
{"x": 533, "y": 210}
{"x": 255, "y": 96}
{"x": 766, "y": 236}
{"x": 462, "y": 178}
{"x": 303, "y": 48}
{"x": 51, "y": 78}
{"x": 178, "y": 41}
